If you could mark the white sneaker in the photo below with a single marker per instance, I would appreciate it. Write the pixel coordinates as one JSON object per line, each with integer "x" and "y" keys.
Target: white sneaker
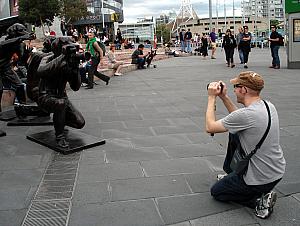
{"x": 118, "y": 74}
{"x": 265, "y": 204}
{"x": 221, "y": 176}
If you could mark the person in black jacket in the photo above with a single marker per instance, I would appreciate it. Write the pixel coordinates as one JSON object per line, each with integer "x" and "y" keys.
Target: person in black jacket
{"x": 229, "y": 44}
{"x": 245, "y": 45}
{"x": 275, "y": 45}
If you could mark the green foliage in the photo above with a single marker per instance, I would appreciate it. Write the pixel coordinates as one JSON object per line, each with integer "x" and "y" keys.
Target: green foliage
{"x": 36, "y": 11}
{"x": 73, "y": 10}
{"x": 274, "y": 22}
{"x": 163, "y": 31}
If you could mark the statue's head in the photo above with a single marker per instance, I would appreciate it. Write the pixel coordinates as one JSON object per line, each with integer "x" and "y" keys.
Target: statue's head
{"x": 16, "y": 30}
{"x": 58, "y": 43}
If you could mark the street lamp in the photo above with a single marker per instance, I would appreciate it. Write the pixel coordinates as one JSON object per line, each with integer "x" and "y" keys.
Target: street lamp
{"x": 102, "y": 12}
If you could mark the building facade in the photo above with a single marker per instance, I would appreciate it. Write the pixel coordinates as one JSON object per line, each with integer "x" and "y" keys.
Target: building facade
{"x": 263, "y": 9}
{"x": 144, "y": 30}
{"x": 109, "y": 10}
{"x": 9, "y": 11}
{"x": 221, "y": 24}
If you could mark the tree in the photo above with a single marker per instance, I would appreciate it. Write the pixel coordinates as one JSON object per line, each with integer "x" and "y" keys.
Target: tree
{"x": 163, "y": 33}
{"x": 274, "y": 22}
{"x": 73, "y": 10}
{"x": 37, "y": 12}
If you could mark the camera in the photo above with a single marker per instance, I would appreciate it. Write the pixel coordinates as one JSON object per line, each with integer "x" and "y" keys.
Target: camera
{"x": 72, "y": 55}
{"x": 221, "y": 85}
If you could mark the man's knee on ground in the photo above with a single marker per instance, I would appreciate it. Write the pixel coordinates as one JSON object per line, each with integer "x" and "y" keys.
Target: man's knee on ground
{"x": 216, "y": 193}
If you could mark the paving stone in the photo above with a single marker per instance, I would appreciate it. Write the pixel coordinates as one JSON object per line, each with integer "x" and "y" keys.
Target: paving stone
{"x": 289, "y": 188}
{"x": 231, "y": 217}
{"x": 200, "y": 138}
{"x": 175, "y": 166}
{"x": 215, "y": 162}
{"x": 201, "y": 182}
{"x": 147, "y": 123}
{"x": 297, "y": 196}
{"x": 133, "y": 213}
{"x": 158, "y": 141}
{"x": 187, "y": 223}
{"x": 15, "y": 178}
{"x": 290, "y": 142}
{"x": 162, "y": 130}
{"x": 193, "y": 150}
{"x": 163, "y": 115}
{"x": 91, "y": 193}
{"x": 104, "y": 172}
{"x": 20, "y": 162}
{"x": 292, "y": 130}
{"x": 149, "y": 187}
{"x": 186, "y": 207}
{"x": 112, "y": 118}
{"x": 91, "y": 156}
{"x": 15, "y": 198}
{"x": 126, "y": 133}
{"x": 137, "y": 154}
{"x": 12, "y": 217}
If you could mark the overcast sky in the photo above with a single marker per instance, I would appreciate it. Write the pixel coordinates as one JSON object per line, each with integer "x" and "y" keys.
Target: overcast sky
{"x": 141, "y": 8}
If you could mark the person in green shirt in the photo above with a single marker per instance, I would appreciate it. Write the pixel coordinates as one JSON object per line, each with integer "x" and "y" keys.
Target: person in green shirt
{"x": 97, "y": 57}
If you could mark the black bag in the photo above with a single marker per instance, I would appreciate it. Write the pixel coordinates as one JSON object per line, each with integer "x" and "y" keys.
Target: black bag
{"x": 102, "y": 46}
{"x": 240, "y": 160}
{"x": 281, "y": 40}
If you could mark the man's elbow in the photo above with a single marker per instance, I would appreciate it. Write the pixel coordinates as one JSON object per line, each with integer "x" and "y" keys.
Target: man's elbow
{"x": 209, "y": 129}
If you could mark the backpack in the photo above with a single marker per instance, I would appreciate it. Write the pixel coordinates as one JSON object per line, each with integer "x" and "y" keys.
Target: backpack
{"x": 281, "y": 40}
{"x": 102, "y": 46}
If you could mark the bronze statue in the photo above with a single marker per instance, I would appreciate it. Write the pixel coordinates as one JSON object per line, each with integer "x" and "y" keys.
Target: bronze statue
{"x": 54, "y": 71}
{"x": 16, "y": 34}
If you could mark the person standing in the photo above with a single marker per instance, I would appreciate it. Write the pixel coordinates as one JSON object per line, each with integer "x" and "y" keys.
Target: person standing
{"x": 238, "y": 39}
{"x": 212, "y": 39}
{"x": 204, "y": 46}
{"x": 247, "y": 126}
{"x": 275, "y": 45}
{"x": 229, "y": 45}
{"x": 181, "y": 38}
{"x": 97, "y": 57}
{"x": 188, "y": 37}
{"x": 245, "y": 45}
{"x": 119, "y": 39}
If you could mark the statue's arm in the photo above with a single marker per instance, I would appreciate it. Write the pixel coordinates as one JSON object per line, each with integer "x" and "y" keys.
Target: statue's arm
{"x": 74, "y": 79}
{"x": 50, "y": 68}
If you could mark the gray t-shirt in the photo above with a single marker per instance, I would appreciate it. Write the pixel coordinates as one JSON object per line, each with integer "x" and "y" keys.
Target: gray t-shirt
{"x": 250, "y": 123}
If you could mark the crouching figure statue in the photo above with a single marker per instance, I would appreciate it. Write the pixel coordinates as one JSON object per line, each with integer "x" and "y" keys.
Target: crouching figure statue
{"x": 55, "y": 71}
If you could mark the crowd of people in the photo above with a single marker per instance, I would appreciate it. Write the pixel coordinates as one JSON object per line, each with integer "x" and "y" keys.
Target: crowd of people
{"x": 241, "y": 41}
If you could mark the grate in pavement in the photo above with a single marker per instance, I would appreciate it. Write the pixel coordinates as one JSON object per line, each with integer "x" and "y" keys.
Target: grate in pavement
{"x": 52, "y": 201}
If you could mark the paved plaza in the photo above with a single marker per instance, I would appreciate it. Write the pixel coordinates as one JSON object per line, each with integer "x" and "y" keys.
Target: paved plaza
{"x": 158, "y": 164}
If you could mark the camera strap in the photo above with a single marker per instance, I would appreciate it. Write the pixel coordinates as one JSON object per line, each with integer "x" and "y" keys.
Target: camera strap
{"x": 265, "y": 134}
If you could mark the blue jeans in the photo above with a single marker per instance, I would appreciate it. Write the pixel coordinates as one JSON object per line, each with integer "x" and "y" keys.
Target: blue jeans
{"x": 188, "y": 46}
{"x": 275, "y": 56}
{"x": 233, "y": 188}
{"x": 241, "y": 55}
{"x": 182, "y": 46}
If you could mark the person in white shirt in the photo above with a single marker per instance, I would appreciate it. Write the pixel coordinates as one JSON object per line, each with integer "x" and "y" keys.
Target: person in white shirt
{"x": 112, "y": 62}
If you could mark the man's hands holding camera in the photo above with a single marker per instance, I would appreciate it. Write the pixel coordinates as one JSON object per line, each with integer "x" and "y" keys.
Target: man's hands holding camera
{"x": 217, "y": 89}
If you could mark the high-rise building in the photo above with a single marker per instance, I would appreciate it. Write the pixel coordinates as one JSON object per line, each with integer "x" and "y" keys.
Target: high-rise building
{"x": 109, "y": 10}
{"x": 272, "y": 9}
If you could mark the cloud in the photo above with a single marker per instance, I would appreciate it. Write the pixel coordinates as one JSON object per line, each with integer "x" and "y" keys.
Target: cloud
{"x": 134, "y": 9}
